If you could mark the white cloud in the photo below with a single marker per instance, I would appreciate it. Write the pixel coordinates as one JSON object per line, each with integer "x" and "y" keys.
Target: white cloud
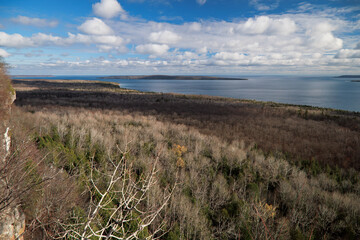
{"x": 202, "y": 50}
{"x": 234, "y": 56}
{"x": 195, "y": 27}
{"x": 95, "y": 26}
{"x": 201, "y": 2}
{"x": 267, "y": 25}
{"x": 104, "y": 43}
{"x": 77, "y": 38}
{"x": 15, "y": 40}
{"x": 44, "y": 39}
{"x": 153, "y": 49}
{"x": 321, "y": 37}
{"x": 38, "y": 22}
{"x": 4, "y": 53}
{"x": 267, "y": 42}
{"x": 348, "y": 53}
{"x": 108, "y": 42}
{"x": 107, "y": 8}
{"x": 166, "y": 37}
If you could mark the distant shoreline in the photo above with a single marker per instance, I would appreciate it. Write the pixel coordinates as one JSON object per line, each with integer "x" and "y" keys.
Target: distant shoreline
{"x": 170, "y": 77}
{"x": 348, "y": 76}
{"x": 26, "y": 76}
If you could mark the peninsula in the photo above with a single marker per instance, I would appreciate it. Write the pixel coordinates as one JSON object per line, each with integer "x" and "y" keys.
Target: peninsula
{"x": 28, "y": 76}
{"x": 170, "y": 77}
{"x": 348, "y": 76}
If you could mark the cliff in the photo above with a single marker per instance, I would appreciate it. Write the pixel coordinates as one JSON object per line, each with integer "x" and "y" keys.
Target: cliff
{"x": 12, "y": 220}
{"x": 7, "y": 97}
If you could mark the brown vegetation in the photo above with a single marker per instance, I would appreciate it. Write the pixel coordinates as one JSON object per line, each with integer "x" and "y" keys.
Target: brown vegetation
{"x": 224, "y": 191}
{"x": 230, "y": 160}
{"x": 304, "y": 135}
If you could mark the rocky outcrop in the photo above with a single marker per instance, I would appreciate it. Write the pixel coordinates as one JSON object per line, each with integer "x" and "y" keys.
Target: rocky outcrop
{"x": 7, "y": 97}
{"x": 12, "y": 220}
{"x": 12, "y": 224}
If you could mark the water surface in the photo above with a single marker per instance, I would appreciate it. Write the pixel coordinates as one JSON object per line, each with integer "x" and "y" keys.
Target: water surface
{"x": 330, "y": 92}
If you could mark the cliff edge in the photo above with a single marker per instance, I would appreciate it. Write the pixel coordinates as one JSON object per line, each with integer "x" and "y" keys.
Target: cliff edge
{"x": 12, "y": 220}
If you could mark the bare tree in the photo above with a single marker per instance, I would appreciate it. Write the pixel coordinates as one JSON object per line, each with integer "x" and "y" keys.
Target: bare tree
{"x": 117, "y": 208}
{"x": 20, "y": 172}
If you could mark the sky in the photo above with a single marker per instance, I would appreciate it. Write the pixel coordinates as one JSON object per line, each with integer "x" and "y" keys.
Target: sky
{"x": 212, "y": 37}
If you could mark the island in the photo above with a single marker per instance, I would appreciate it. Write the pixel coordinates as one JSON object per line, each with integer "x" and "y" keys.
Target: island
{"x": 33, "y": 76}
{"x": 349, "y": 76}
{"x": 171, "y": 77}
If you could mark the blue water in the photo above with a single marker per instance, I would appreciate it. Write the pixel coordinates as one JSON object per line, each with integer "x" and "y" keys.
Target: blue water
{"x": 330, "y": 92}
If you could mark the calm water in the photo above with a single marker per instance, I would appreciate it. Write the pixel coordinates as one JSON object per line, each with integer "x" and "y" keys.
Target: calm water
{"x": 339, "y": 93}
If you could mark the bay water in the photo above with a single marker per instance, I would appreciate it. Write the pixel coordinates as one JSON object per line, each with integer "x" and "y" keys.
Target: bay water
{"x": 320, "y": 91}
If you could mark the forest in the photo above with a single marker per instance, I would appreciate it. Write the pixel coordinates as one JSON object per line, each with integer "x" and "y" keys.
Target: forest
{"x": 90, "y": 160}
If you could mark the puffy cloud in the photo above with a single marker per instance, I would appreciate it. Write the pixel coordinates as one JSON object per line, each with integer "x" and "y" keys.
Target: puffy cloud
{"x": 268, "y": 41}
{"x": 153, "y": 49}
{"x": 15, "y": 40}
{"x": 195, "y": 27}
{"x": 233, "y": 56}
{"x": 88, "y": 39}
{"x": 4, "y": 53}
{"x": 95, "y": 26}
{"x": 77, "y": 38}
{"x": 38, "y": 22}
{"x": 321, "y": 37}
{"x": 267, "y": 25}
{"x": 165, "y": 37}
{"x": 107, "y": 8}
{"x": 43, "y": 39}
{"x": 107, "y": 42}
{"x": 201, "y": 2}
{"x": 104, "y": 43}
{"x": 348, "y": 53}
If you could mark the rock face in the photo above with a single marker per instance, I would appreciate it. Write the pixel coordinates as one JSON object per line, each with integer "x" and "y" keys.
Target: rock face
{"x": 12, "y": 220}
{"x": 7, "y": 97}
{"x": 12, "y": 224}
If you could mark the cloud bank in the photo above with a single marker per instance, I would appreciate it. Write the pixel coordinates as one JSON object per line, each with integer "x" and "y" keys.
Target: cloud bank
{"x": 298, "y": 41}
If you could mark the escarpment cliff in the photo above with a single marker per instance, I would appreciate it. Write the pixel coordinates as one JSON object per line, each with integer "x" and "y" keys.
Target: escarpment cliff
{"x": 7, "y": 97}
{"x": 12, "y": 220}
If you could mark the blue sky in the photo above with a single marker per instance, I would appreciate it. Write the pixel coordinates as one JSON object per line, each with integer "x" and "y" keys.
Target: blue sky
{"x": 215, "y": 37}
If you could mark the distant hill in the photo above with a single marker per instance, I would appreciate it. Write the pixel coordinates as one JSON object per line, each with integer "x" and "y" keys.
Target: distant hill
{"x": 349, "y": 76}
{"x": 171, "y": 77}
{"x": 22, "y": 76}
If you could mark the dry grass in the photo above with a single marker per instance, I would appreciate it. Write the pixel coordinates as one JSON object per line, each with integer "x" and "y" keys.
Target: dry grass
{"x": 303, "y": 134}
{"x": 225, "y": 190}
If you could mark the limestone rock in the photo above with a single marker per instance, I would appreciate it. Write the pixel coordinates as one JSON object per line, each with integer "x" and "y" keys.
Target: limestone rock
{"x": 12, "y": 224}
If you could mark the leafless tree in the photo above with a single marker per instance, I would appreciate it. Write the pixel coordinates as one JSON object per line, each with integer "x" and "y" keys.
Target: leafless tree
{"x": 117, "y": 207}
{"x": 20, "y": 172}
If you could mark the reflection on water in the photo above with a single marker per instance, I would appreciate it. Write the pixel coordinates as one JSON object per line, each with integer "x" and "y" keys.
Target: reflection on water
{"x": 315, "y": 91}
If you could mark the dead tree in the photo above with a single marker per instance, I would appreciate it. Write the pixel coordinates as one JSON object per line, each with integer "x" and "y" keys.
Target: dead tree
{"x": 117, "y": 208}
